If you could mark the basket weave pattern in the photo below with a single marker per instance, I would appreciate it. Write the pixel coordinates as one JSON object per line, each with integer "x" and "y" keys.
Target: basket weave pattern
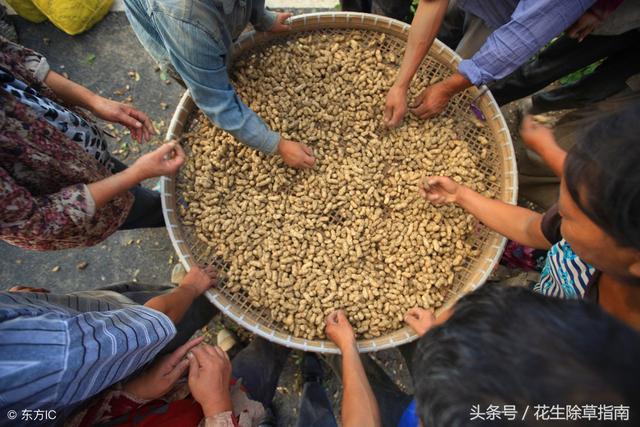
{"x": 440, "y": 62}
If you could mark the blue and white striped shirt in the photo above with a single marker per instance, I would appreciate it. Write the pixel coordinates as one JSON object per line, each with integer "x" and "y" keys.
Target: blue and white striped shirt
{"x": 564, "y": 274}
{"x": 521, "y": 29}
{"x": 59, "y": 350}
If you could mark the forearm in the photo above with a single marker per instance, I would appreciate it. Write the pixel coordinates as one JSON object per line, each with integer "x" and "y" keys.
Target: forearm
{"x": 553, "y": 156}
{"x": 514, "y": 222}
{"x": 71, "y": 93}
{"x": 105, "y": 190}
{"x": 424, "y": 27}
{"x": 359, "y": 406}
{"x": 175, "y": 303}
{"x": 532, "y": 26}
{"x": 455, "y": 83}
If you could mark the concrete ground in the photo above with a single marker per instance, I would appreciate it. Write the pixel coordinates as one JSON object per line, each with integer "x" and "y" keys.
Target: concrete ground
{"x": 109, "y": 60}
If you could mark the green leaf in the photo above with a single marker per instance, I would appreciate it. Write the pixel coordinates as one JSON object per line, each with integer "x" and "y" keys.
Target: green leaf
{"x": 90, "y": 59}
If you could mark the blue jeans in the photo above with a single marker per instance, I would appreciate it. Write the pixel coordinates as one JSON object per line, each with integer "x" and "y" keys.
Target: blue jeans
{"x": 195, "y": 38}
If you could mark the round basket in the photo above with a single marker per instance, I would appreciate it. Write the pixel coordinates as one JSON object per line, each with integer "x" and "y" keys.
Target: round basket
{"x": 440, "y": 62}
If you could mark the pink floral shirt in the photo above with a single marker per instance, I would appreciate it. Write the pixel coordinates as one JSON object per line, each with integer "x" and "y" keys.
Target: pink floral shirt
{"x": 45, "y": 203}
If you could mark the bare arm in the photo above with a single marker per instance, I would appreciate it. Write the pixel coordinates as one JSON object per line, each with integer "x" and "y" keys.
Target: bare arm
{"x": 541, "y": 140}
{"x": 175, "y": 303}
{"x": 70, "y": 92}
{"x": 152, "y": 164}
{"x": 514, "y": 222}
{"x": 73, "y": 94}
{"x": 424, "y": 27}
{"x": 359, "y": 405}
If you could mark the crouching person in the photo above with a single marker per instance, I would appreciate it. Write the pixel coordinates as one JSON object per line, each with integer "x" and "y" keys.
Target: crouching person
{"x": 504, "y": 347}
{"x": 58, "y": 350}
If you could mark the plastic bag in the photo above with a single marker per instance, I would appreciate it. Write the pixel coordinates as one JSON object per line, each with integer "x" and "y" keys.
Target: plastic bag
{"x": 71, "y": 16}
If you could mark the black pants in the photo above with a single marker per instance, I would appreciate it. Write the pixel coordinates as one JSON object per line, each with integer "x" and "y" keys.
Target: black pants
{"x": 396, "y": 9}
{"x": 146, "y": 211}
{"x": 565, "y": 56}
{"x": 315, "y": 407}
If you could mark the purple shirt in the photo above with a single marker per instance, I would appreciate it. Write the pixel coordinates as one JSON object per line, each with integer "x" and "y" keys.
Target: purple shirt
{"x": 521, "y": 29}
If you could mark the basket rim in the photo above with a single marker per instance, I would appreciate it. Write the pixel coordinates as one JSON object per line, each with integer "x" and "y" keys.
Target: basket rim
{"x": 301, "y": 23}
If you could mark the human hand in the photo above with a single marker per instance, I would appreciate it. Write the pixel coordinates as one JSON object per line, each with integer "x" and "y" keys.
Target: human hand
{"x": 535, "y": 135}
{"x": 20, "y": 288}
{"x": 395, "y": 106}
{"x": 439, "y": 190}
{"x": 136, "y": 121}
{"x": 165, "y": 160}
{"x": 163, "y": 374}
{"x": 209, "y": 379}
{"x": 420, "y": 320}
{"x": 295, "y": 154}
{"x": 584, "y": 26}
{"x": 280, "y": 25}
{"x": 199, "y": 280}
{"x": 431, "y": 101}
{"x": 339, "y": 330}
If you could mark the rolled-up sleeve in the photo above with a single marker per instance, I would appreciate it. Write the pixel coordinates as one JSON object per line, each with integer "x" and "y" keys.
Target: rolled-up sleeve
{"x": 201, "y": 62}
{"x": 45, "y": 216}
{"x": 532, "y": 25}
{"x": 261, "y": 18}
{"x": 33, "y": 61}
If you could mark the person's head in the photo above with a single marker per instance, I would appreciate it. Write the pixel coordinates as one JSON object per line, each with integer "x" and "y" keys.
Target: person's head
{"x": 510, "y": 346}
{"x": 600, "y": 196}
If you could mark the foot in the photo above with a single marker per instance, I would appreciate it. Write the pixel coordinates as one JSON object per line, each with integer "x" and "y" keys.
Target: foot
{"x": 311, "y": 368}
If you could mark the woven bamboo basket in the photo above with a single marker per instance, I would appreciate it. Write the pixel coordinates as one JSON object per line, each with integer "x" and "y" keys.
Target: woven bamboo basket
{"x": 440, "y": 62}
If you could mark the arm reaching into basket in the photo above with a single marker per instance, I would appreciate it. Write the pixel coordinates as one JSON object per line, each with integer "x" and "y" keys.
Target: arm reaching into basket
{"x": 198, "y": 44}
{"x": 165, "y": 160}
{"x": 424, "y": 27}
{"x": 359, "y": 405}
{"x": 175, "y": 303}
{"x": 540, "y": 139}
{"x": 517, "y": 37}
{"x": 514, "y": 222}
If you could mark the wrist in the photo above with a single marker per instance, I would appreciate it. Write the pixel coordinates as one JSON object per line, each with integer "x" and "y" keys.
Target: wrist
{"x": 137, "y": 172}
{"x": 402, "y": 84}
{"x": 461, "y": 195}
{"x": 190, "y": 289}
{"x": 281, "y": 142}
{"x": 215, "y": 407}
{"x": 348, "y": 347}
{"x": 455, "y": 84}
{"x": 92, "y": 101}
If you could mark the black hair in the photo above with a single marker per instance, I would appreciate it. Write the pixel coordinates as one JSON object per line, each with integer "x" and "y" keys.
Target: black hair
{"x": 510, "y": 346}
{"x": 602, "y": 174}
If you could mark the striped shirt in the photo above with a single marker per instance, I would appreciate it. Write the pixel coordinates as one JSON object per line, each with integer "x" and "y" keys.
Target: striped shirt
{"x": 564, "y": 274}
{"x": 59, "y": 350}
{"x": 522, "y": 28}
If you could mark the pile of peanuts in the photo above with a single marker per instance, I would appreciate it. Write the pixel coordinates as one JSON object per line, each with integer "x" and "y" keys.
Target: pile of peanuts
{"x": 350, "y": 233}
